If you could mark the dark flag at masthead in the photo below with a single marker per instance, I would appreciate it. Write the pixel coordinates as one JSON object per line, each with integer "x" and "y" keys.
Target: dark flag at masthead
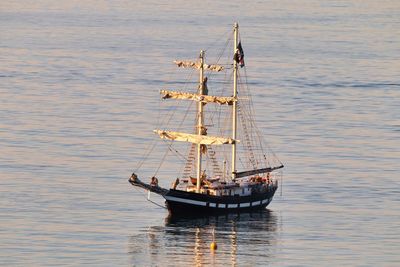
{"x": 239, "y": 56}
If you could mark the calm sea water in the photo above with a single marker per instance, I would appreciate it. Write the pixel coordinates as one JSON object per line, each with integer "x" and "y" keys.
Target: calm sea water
{"x": 79, "y": 84}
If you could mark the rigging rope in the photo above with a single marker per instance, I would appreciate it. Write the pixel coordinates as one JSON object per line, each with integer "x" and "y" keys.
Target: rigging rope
{"x": 182, "y": 157}
{"x": 257, "y": 131}
{"x": 171, "y": 142}
{"x": 152, "y": 145}
{"x": 148, "y": 152}
{"x": 148, "y": 198}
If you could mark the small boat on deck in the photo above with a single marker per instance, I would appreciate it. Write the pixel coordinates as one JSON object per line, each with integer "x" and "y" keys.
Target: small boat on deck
{"x": 221, "y": 188}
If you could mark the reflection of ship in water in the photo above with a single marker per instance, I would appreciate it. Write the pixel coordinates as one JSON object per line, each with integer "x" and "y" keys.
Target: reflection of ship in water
{"x": 243, "y": 239}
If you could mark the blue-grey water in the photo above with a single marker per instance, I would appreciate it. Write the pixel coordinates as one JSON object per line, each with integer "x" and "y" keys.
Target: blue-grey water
{"x": 79, "y": 84}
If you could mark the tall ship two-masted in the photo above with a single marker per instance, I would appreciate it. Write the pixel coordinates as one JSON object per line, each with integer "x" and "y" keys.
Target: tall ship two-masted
{"x": 210, "y": 182}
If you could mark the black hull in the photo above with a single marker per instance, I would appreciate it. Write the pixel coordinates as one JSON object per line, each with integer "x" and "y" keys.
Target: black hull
{"x": 181, "y": 203}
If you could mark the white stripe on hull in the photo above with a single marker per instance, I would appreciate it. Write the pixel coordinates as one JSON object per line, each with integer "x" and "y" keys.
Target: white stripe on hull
{"x": 217, "y": 205}
{"x": 265, "y": 201}
{"x": 187, "y": 201}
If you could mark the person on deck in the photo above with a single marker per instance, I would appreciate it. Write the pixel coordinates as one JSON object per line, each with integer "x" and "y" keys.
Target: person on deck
{"x": 154, "y": 181}
{"x": 205, "y": 88}
{"x": 175, "y": 184}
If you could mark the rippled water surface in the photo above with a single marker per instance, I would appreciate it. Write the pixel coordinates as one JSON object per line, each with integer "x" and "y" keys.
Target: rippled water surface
{"x": 79, "y": 84}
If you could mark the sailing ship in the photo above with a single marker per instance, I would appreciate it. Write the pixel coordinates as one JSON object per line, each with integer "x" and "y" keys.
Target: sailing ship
{"x": 223, "y": 189}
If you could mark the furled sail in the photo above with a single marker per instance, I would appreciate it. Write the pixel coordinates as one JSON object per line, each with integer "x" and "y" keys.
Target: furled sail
{"x": 263, "y": 170}
{"x": 213, "y": 67}
{"x": 196, "y": 65}
{"x": 194, "y": 138}
{"x": 222, "y": 100}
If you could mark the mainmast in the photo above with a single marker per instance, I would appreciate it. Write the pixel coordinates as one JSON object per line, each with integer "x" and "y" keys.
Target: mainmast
{"x": 234, "y": 106}
{"x": 200, "y": 120}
